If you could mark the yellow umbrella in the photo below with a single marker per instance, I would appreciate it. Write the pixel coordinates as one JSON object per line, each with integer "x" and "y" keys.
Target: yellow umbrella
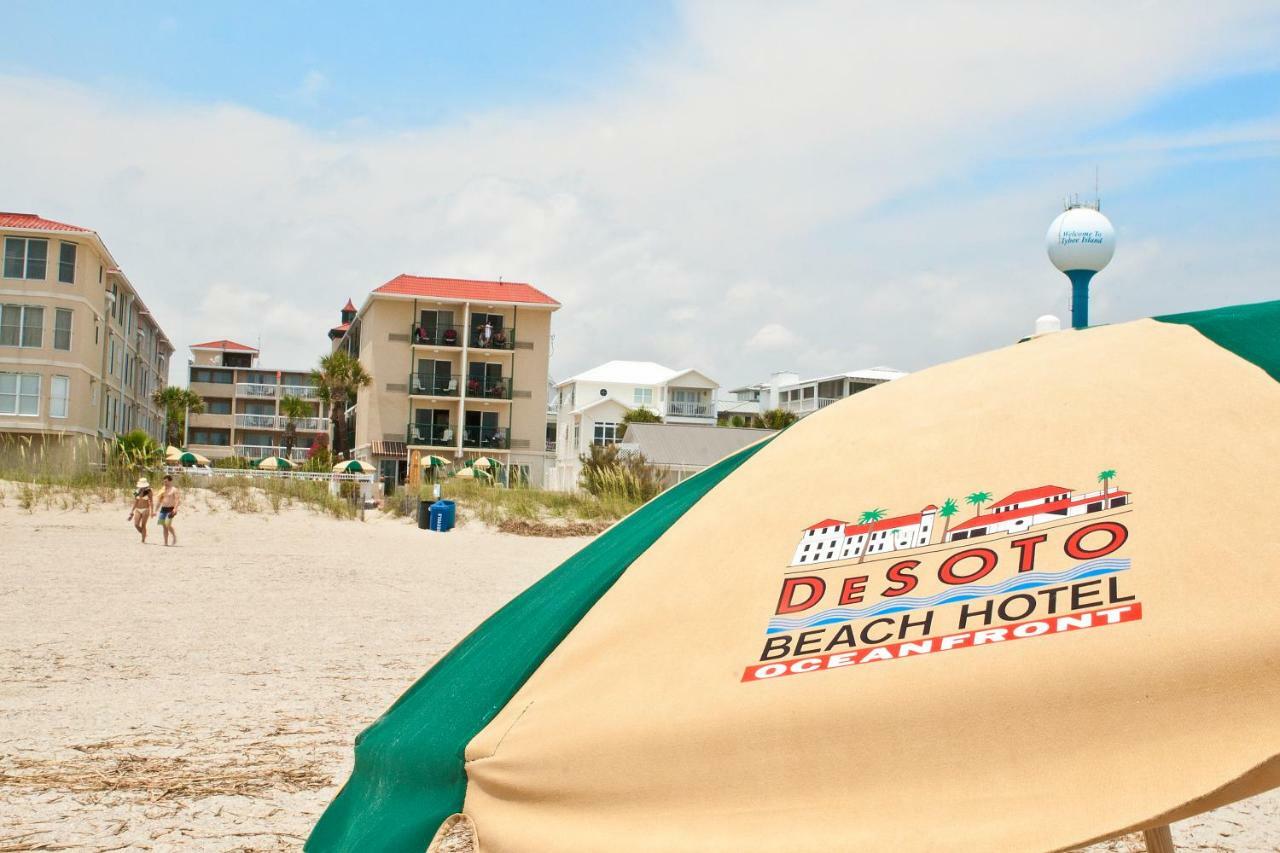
{"x": 1022, "y": 605}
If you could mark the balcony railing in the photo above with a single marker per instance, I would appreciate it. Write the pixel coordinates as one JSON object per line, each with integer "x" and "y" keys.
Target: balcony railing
{"x": 303, "y": 392}
{"x": 808, "y": 404}
{"x": 437, "y": 336}
{"x": 688, "y": 409}
{"x": 434, "y": 384}
{"x": 280, "y": 422}
{"x": 499, "y": 339}
{"x": 257, "y": 451}
{"x": 489, "y": 389}
{"x": 253, "y": 389}
{"x": 434, "y": 435}
{"x": 494, "y": 438}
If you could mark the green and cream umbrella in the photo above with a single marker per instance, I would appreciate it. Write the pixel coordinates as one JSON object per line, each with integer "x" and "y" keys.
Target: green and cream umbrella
{"x": 430, "y": 460}
{"x": 774, "y": 655}
{"x": 186, "y": 458}
{"x": 472, "y": 473}
{"x": 171, "y": 454}
{"x": 353, "y": 466}
{"x": 274, "y": 463}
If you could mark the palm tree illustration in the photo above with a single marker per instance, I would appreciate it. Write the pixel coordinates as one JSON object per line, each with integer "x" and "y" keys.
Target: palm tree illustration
{"x": 949, "y": 508}
{"x": 1105, "y": 478}
{"x": 976, "y": 500}
{"x": 869, "y": 518}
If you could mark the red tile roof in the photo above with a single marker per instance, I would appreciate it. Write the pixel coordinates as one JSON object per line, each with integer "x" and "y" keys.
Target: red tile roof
{"x": 826, "y": 522}
{"x": 36, "y": 223}
{"x": 224, "y": 344}
{"x": 349, "y": 306}
{"x": 1038, "y": 493}
{"x": 1034, "y": 509}
{"x": 466, "y": 289}
{"x": 884, "y": 524}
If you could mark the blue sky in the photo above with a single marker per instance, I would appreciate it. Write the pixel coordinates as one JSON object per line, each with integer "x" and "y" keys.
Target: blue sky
{"x": 740, "y": 187}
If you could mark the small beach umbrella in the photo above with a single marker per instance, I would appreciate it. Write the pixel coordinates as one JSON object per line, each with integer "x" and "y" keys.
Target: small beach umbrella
{"x": 472, "y": 474}
{"x": 486, "y": 462}
{"x": 1026, "y": 602}
{"x": 353, "y": 466}
{"x": 432, "y": 461}
{"x": 187, "y": 458}
{"x": 274, "y": 463}
{"x": 171, "y": 454}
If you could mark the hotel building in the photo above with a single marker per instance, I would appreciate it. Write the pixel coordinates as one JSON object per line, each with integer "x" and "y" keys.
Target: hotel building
{"x": 242, "y": 414}
{"x": 80, "y": 354}
{"x": 459, "y": 369}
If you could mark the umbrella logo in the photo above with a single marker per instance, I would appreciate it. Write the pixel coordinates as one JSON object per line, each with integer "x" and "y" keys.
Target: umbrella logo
{"x": 1043, "y": 559}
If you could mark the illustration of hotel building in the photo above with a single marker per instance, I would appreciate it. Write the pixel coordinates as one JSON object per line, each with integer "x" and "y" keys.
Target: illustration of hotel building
{"x": 832, "y": 539}
{"x": 459, "y": 369}
{"x": 1028, "y": 507}
{"x": 80, "y": 354}
{"x": 242, "y": 414}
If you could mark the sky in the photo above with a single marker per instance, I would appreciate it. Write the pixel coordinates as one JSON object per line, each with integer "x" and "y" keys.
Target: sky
{"x": 739, "y": 187}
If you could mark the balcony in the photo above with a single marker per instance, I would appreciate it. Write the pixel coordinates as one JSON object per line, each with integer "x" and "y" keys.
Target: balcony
{"x": 257, "y": 451}
{"x": 280, "y": 422}
{"x": 502, "y": 339}
{"x": 434, "y": 385}
{"x": 432, "y": 435}
{"x": 436, "y": 336}
{"x": 302, "y": 392}
{"x": 690, "y": 409}
{"x": 489, "y": 389}
{"x": 485, "y": 438}
{"x": 808, "y": 404}
{"x": 246, "y": 389}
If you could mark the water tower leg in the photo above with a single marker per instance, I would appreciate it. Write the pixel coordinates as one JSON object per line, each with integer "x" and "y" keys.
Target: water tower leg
{"x": 1080, "y": 297}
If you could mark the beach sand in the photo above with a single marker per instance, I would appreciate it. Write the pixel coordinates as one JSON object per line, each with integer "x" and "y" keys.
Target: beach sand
{"x": 206, "y": 697}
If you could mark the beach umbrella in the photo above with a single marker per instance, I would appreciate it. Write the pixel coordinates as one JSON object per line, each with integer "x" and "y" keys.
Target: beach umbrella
{"x": 486, "y": 462}
{"x": 274, "y": 463}
{"x": 171, "y": 454}
{"x": 1026, "y": 602}
{"x": 353, "y": 466}
{"x": 472, "y": 473}
{"x": 187, "y": 458}
{"x": 432, "y": 461}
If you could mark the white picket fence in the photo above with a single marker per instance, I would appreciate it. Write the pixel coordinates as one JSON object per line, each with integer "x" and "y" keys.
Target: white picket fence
{"x": 366, "y": 481}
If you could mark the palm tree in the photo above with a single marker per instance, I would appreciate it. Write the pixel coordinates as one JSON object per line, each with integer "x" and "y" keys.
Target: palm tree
{"x": 338, "y": 379}
{"x": 949, "y": 508}
{"x": 976, "y": 500}
{"x": 1105, "y": 478}
{"x": 778, "y": 418}
{"x": 293, "y": 409}
{"x": 869, "y": 517}
{"x": 177, "y": 403}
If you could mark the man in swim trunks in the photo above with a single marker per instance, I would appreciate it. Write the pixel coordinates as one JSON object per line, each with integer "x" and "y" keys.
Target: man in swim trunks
{"x": 143, "y": 505}
{"x": 169, "y": 500}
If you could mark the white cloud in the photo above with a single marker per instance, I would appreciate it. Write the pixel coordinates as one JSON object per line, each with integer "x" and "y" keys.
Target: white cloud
{"x": 755, "y": 175}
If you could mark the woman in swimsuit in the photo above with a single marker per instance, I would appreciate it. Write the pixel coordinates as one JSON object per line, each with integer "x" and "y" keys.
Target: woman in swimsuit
{"x": 143, "y": 505}
{"x": 169, "y": 500}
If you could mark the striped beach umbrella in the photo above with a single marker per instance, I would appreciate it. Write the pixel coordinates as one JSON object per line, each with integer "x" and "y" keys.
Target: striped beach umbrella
{"x": 430, "y": 460}
{"x": 274, "y": 463}
{"x": 187, "y": 458}
{"x": 472, "y": 474}
{"x": 171, "y": 454}
{"x": 1026, "y": 602}
{"x": 353, "y": 466}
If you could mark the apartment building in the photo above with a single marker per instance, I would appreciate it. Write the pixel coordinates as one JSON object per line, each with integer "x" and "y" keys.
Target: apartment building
{"x": 459, "y": 369}
{"x": 80, "y": 354}
{"x": 591, "y": 406}
{"x": 787, "y": 391}
{"x": 242, "y": 415}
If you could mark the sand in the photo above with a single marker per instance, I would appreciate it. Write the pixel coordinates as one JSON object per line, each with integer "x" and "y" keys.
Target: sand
{"x": 205, "y": 697}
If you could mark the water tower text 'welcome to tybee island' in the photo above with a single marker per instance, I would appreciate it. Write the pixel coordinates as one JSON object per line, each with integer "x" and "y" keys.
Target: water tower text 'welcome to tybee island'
{"x": 1081, "y": 242}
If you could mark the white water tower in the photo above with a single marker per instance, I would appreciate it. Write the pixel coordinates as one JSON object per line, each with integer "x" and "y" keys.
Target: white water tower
{"x": 1080, "y": 242}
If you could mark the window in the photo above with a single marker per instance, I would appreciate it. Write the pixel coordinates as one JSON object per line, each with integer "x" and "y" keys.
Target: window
{"x": 111, "y": 360}
{"x": 21, "y": 325}
{"x": 24, "y": 257}
{"x": 67, "y": 263}
{"x": 643, "y": 397}
{"x": 20, "y": 394}
{"x": 59, "y": 396}
{"x": 606, "y": 433}
{"x": 215, "y": 437}
{"x": 62, "y": 328}
{"x": 217, "y": 407}
{"x": 204, "y": 374}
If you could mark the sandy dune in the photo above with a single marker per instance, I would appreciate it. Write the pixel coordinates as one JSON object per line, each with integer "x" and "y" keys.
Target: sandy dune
{"x": 205, "y": 697}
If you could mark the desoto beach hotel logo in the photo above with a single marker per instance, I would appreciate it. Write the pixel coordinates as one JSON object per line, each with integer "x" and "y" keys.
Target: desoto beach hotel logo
{"x": 1042, "y": 560}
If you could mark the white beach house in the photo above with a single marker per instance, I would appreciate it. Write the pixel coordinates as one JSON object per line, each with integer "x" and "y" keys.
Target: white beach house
{"x": 833, "y": 539}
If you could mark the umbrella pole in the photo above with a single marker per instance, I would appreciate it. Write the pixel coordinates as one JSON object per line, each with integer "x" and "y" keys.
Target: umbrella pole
{"x": 1158, "y": 839}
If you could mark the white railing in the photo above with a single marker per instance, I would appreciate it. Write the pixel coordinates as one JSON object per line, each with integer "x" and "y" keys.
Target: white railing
{"x": 257, "y": 473}
{"x": 808, "y": 404}
{"x": 685, "y": 409}
{"x": 249, "y": 389}
{"x": 281, "y": 422}
{"x": 306, "y": 392}
{"x": 257, "y": 451}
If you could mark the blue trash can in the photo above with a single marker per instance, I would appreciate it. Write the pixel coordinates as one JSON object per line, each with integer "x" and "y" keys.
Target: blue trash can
{"x": 442, "y": 515}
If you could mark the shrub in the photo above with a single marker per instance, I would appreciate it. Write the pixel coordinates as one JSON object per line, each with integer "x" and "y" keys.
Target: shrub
{"x": 607, "y": 472}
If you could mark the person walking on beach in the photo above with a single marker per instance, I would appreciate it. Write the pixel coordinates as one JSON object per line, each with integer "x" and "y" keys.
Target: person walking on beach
{"x": 169, "y": 500}
{"x": 144, "y": 503}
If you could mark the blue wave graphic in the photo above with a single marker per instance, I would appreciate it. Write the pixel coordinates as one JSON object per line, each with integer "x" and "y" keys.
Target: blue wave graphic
{"x": 1030, "y": 580}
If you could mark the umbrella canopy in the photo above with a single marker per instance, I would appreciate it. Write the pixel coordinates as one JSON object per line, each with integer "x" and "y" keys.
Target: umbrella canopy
{"x": 188, "y": 458}
{"x": 472, "y": 474}
{"x": 274, "y": 463}
{"x": 433, "y": 461}
{"x": 485, "y": 462}
{"x": 1016, "y": 608}
{"x": 172, "y": 453}
{"x": 353, "y": 466}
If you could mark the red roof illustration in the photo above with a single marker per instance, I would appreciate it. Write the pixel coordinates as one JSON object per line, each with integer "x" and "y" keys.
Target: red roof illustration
{"x": 466, "y": 289}
{"x": 886, "y": 523}
{"x": 1035, "y": 509}
{"x": 1036, "y": 494}
{"x": 224, "y": 344}
{"x": 826, "y": 522}
{"x": 37, "y": 223}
